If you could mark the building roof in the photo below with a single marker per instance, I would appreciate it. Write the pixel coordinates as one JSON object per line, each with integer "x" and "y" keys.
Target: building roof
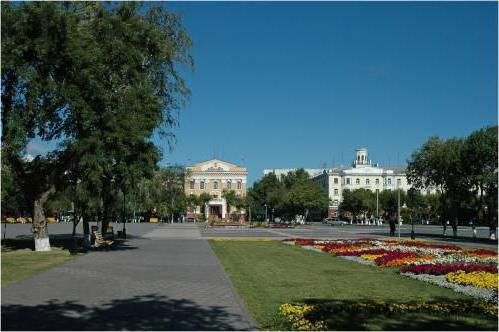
{"x": 217, "y": 166}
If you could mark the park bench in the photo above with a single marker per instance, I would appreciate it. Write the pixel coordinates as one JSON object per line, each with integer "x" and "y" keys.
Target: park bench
{"x": 109, "y": 233}
{"x": 100, "y": 241}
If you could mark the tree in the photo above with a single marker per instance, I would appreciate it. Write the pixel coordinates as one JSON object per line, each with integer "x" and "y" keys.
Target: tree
{"x": 101, "y": 79}
{"x": 480, "y": 161}
{"x": 358, "y": 202}
{"x": 463, "y": 170}
{"x": 303, "y": 197}
{"x": 389, "y": 201}
{"x": 293, "y": 194}
{"x": 437, "y": 164}
{"x": 267, "y": 191}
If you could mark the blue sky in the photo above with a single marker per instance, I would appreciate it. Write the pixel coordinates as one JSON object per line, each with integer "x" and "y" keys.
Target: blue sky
{"x": 296, "y": 84}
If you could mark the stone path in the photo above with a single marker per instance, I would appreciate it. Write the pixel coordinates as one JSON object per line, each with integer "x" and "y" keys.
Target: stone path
{"x": 167, "y": 279}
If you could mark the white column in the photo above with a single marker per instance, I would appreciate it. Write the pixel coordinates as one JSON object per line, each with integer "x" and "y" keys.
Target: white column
{"x": 224, "y": 208}
{"x": 206, "y": 211}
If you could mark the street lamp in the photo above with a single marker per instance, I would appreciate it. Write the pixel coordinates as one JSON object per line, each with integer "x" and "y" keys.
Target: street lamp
{"x": 398, "y": 210}
{"x": 266, "y": 219}
{"x": 377, "y": 207}
{"x": 124, "y": 212}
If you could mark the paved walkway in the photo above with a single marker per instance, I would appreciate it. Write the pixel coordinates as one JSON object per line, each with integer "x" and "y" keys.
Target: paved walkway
{"x": 167, "y": 279}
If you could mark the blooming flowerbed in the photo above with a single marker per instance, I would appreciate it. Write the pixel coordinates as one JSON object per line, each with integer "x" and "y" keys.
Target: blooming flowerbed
{"x": 473, "y": 272}
{"x": 313, "y": 317}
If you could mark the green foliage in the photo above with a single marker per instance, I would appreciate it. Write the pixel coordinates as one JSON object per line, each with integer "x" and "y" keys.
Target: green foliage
{"x": 293, "y": 194}
{"x": 163, "y": 194}
{"x": 359, "y": 202}
{"x": 463, "y": 170}
{"x": 103, "y": 80}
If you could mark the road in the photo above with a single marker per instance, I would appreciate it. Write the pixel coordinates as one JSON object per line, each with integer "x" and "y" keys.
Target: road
{"x": 306, "y": 231}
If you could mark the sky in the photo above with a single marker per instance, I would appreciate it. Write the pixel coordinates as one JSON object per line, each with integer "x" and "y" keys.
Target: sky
{"x": 302, "y": 84}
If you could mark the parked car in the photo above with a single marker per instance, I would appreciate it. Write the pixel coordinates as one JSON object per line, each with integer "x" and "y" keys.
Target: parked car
{"x": 338, "y": 222}
{"x": 334, "y": 222}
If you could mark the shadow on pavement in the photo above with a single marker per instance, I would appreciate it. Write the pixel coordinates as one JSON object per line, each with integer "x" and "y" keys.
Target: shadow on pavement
{"x": 368, "y": 315}
{"x": 148, "y": 312}
{"x": 62, "y": 241}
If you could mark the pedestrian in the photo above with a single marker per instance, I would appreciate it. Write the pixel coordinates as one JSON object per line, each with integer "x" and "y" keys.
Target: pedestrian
{"x": 392, "y": 225}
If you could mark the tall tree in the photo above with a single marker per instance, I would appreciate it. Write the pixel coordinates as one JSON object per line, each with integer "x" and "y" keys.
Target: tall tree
{"x": 480, "y": 162}
{"x": 102, "y": 79}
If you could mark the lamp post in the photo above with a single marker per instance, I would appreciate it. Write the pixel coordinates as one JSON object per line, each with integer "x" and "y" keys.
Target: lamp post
{"x": 413, "y": 235}
{"x": 124, "y": 217}
{"x": 398, "y": 210}
{"x": 377, "y": 207}
{"x": 265, "y": 212}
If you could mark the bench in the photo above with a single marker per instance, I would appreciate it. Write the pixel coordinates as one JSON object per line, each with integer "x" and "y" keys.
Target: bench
{"x": 100, "y": 241}
{"x": 109, "y": 233}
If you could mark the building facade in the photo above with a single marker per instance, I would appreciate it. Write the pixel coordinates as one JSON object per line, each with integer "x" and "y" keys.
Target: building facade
{"x": 214, "y": 177}
{"x": 363, "y": 174}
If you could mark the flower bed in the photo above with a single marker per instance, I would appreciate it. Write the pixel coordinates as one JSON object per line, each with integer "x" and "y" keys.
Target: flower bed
{"x": 439, "y": 269}
{"x": 467, "y": 271}
{"x": 476, "y": 278}
{"x": 313, "y": 317}
{"x": 295, "y": 314}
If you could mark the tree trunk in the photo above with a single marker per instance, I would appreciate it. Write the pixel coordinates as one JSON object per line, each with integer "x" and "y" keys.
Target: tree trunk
{"x": 87, "y": 238}
{"x": 76, "y": 221}
{"x": 39, "y": 229}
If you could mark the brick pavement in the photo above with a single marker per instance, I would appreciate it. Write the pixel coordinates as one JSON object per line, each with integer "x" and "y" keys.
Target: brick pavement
{"x": 172, "y": 280}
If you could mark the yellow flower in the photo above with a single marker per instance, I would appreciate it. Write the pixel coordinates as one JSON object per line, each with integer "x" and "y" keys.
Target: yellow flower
{"x": 370, "y": 257}
{"x": 480, "y": 279}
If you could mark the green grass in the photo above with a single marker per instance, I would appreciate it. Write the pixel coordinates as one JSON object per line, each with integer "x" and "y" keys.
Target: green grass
{"x": 268, "y": 274}
{"x": 21, "y": 264}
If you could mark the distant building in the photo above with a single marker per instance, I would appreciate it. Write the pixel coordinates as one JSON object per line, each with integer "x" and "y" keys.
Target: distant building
{"x": 213, "y": 177}
{"x": 361, "y": 175}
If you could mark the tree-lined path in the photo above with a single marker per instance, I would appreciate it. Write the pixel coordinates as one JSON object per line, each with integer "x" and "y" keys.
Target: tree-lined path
{"x": 167, "y": 279}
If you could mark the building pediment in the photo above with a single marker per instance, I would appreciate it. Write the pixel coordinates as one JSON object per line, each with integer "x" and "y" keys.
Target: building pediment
{"x": 216, "y": 166}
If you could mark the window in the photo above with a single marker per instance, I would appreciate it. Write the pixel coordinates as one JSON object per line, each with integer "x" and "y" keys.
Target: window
{"x": 229, "y": 185}
{"x": 377, "y": 181}
{"x": 335, "y": 180}
{"x": 348, "y": 180}
{"x": 215, "y": 185}
{"x": 192, "y": 184}
{"x": 357, "y": 181}
{"x": 201, "y": 185}
{"x": 367, "y": 181}
{"x": 239, "y": 185}
{"x": 389, "y": 181}
{"x": 399, "y": 182}
{"x": 336, "y": 192}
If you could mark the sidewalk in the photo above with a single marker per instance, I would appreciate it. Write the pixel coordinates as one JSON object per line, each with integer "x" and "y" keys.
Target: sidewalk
{"x": 170, "y": 279}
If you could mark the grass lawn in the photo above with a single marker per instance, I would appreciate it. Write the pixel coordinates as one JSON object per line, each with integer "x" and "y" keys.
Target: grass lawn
{"x": 24, "y": 263}
{"x": 268, "y": 274}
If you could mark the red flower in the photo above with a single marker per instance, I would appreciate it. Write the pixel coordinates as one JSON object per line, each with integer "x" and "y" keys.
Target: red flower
{"x": 440, "y": 269}
{"x": 393, "y": 255}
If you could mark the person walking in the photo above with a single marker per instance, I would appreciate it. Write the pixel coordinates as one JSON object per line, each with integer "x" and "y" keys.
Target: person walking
{"x": 392, "y": 225}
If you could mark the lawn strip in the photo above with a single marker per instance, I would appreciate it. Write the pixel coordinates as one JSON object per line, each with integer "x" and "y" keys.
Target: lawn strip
{"x": 21, "y": 264}
{"x": 268, "y": 274}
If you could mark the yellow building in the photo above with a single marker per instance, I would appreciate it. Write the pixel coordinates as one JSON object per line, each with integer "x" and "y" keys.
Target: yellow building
{"x": 214, "y": 177}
